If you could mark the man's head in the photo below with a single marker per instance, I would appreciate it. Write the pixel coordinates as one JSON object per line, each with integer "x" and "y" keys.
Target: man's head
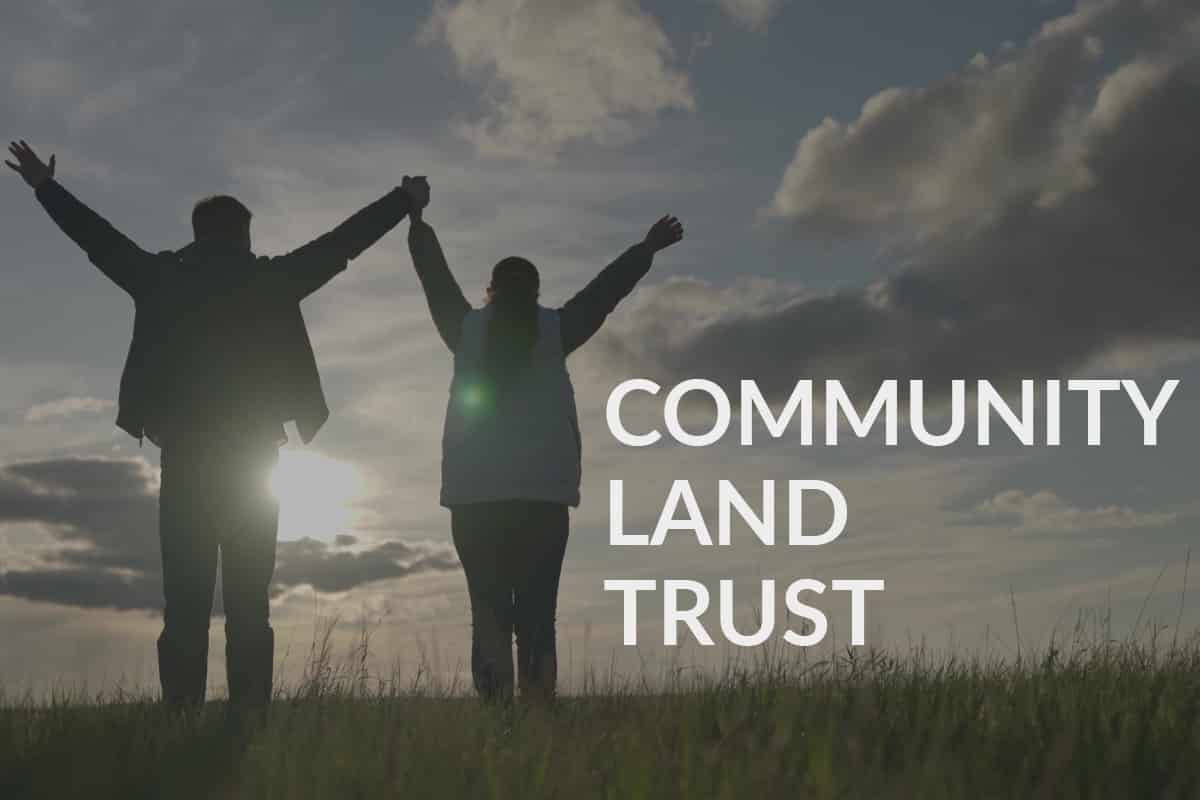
{"x": 514, "y": 280}
{"x": 222, "y": 218}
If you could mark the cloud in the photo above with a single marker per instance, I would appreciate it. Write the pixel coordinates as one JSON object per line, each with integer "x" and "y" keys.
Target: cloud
{"x": 1040, "y": 209}
{"x": 752, "y": 14}
{"x": 699, "y": 43}
{"x": 101, "y": 515}
{"x": 1046, "y": 512}
{"x": 1027, "y": 128}
{"x": 228, "y": 67}
{"x": 67, "y": 407}
{"x": 38, "y": 77}
{"x": 349, "y": 563}
{"x": 560, "y": 72}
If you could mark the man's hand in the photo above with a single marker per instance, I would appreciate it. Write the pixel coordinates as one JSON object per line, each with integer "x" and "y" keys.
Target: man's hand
{"x": 664, "y": 233}
{"x": 31, "y": 168}
{"x": 417, "y": 189}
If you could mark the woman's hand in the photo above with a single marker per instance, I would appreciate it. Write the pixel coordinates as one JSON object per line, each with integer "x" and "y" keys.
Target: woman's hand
{"x": 664, "y": 233}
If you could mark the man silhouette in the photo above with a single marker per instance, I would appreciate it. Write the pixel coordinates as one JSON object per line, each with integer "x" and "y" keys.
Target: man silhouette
{"x": 220, "y": 360}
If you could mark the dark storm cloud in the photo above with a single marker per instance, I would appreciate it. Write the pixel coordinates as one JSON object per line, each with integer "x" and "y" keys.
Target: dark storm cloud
{"x": 102, "y": 515}
{"x": 1049, "y": 203}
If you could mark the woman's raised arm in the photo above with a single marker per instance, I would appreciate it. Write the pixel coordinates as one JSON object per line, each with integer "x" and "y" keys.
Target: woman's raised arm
{"x": 584, "y": 313}
{"x": 447, "y": 303}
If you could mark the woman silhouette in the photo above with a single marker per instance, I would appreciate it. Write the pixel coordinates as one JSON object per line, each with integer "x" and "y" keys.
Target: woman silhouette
{"x": 511, "y": 447}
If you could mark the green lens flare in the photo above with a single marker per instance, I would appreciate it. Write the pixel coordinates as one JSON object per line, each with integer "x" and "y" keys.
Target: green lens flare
{"x": 474, "y": 399}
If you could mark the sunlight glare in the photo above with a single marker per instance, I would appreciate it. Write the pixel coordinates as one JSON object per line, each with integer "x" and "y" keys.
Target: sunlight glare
{"x": 315, "y": 493}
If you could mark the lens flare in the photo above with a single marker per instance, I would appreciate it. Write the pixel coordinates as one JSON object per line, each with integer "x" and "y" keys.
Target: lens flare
{"x": 474, "y": 399}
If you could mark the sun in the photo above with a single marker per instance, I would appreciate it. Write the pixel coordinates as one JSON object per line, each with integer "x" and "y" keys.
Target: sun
{"x": 316, "y": 494}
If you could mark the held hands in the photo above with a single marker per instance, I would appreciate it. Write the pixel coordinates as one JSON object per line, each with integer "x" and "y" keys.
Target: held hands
{"x": 664, "y": 233}
{"x": 31, "y": 168}
{"x": 417, "y": 189}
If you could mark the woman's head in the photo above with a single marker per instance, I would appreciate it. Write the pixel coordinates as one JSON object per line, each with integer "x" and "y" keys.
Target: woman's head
{"x": 513, "y": 328}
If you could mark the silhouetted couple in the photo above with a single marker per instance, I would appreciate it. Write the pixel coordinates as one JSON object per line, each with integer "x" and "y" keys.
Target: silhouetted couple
{"x": 220, "y": 360}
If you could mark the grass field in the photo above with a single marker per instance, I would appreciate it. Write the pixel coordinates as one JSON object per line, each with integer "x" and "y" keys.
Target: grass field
{"x": 1095, "y": 720}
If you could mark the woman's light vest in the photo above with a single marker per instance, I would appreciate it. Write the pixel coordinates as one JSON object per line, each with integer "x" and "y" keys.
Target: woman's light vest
{"x": 521, "y": 443}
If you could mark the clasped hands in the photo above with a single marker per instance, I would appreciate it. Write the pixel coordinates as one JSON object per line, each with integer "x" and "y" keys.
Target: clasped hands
{"x": 417, "y": 189}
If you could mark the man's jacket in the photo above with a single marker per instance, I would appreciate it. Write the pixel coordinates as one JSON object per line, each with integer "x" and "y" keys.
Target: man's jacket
{"x": 219, "y": 343}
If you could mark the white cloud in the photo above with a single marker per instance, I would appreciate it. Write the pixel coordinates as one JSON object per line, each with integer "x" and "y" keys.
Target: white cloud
{"x": 1037, "y": 200}
{"x": 1046, "y": 512}
{"x": 66, "y": 407}
{"x": 38, "y": 77}
{"x": 560, "y": 72}
{"x": 1022, "y": 124}
{"x": 752, "y": 14}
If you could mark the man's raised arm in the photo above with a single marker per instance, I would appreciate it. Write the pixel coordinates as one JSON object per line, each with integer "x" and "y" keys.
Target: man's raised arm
{"x": 106, "y": 247}
{"x": 310, "y": 267}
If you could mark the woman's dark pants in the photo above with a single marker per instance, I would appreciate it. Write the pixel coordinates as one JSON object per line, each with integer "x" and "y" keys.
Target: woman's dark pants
{"x": 512, "y": 554}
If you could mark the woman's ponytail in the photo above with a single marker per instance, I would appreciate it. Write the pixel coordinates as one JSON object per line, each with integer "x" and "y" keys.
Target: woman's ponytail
{"x": 513, "y": 328}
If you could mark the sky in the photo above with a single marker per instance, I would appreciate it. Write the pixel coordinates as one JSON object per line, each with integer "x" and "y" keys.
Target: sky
{"x": 875, "y": 190}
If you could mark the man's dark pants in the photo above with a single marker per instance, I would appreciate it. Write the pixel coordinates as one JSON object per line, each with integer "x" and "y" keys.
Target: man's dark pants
{"x": 216, "y": 501}
{"x": 512, "y": 554}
